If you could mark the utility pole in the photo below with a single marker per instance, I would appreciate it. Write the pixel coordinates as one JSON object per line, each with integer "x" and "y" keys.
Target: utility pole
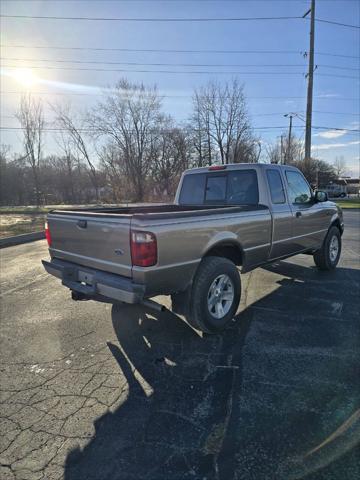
{"x": 288, "y": 150}
{"x": 281, "y": 150}
{"x": 310, "y": 78}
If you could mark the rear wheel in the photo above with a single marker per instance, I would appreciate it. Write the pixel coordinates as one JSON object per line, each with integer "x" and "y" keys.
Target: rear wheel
{"x": 215, "y": 295}
{"x": 329, "y": 254}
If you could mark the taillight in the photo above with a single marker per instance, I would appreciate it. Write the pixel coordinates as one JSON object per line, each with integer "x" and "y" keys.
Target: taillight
{"x": 217, "y": 167}
{"x": 143, "y": 248}
{"x": 47, "y": 234}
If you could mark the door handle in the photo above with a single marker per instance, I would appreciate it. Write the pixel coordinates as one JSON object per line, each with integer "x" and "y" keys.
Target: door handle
{"x": 298, "y": 214}
{"x": 82, "y": 223}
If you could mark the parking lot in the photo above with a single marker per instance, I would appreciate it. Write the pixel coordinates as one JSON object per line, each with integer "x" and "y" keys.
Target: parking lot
{"x": 95, "y": 392}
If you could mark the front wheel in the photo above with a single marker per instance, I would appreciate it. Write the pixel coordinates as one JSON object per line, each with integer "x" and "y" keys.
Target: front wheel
{"x": 215, "y": 295}
{"x": 329, "y": 254}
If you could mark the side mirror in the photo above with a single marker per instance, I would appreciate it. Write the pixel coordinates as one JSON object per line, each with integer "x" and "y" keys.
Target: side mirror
{"x": 321, "y": 196}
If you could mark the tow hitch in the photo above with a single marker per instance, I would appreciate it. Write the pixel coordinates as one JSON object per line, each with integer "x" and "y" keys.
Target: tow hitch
{"x": 78, "y": 296}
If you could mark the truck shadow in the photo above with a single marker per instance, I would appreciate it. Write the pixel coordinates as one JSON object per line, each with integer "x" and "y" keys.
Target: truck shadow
{"x": 180, "y": 417}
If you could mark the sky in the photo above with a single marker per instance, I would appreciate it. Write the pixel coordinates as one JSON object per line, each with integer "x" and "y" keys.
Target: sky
{"x": 267, "y": 56}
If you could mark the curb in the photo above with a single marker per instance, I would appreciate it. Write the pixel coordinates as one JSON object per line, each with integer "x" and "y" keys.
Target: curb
{"x": 19, "y": 239}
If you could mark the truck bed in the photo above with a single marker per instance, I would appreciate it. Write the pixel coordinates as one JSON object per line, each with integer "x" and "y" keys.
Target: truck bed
{"x": 99, "y": 238}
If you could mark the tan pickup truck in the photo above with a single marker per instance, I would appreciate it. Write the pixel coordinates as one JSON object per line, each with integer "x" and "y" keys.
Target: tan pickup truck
{"x": 223, "y": 217}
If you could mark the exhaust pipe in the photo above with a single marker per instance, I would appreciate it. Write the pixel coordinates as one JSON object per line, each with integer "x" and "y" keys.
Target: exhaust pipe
{"x": 153, "y": 305}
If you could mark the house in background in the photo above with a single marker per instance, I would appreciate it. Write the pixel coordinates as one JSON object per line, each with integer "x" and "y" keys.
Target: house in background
{"x": 353, "y": 186}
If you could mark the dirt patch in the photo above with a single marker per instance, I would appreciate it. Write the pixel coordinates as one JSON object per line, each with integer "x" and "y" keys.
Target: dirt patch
{"x": 18, "y": 224}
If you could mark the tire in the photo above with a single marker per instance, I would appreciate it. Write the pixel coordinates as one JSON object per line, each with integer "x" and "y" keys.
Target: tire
{"x": 342, "y": 195}
{"x": 212, "y": 310}
{"x": 329, "y": 254}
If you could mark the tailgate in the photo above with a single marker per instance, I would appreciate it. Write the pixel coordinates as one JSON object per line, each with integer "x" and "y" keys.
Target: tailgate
{"x": 95, "y": 241}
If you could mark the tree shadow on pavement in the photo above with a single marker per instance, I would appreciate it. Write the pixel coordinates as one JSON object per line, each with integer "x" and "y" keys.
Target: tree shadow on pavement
{"x": 193, "y": 411}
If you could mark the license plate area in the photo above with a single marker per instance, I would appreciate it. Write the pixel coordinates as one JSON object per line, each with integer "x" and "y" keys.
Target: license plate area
{"x": 85, "y": 277}
{"x": 79, "y": 280}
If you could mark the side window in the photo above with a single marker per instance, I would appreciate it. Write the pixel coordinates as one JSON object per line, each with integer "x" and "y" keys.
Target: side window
{"x": 215, "y": 189}
{"x": 299, "y": 190}
{"x": 243, "y": 188}
{"x": 276, "y": 186}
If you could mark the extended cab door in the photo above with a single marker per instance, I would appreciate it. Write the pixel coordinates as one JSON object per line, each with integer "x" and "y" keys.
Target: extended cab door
{"x": 282, "y": 215}
{"x": 309, "y": 220}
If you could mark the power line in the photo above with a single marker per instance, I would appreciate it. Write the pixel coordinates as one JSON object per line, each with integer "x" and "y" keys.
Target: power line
{"x": 354, "y": 130}
{"x": 197, "y": 72}
{"x": 157, "y": 19}
{"x": 339, "y": 68}
{"x": 337, "y": 23}
{"x": 273, "y": 114}
{"x": 157, "y": 64}
{"x": 251, "y": 115}
{"x": 94, "y": 130}
{"x": 337, "y": 113}
{"x": 193, "y": 72}
{"x": 161, "y": 64}
{"x": 182, "y": 20}
{"x": 177, "y": 96}
{"x": 85, "y": 130}
{"x": 147, "y": 50}
{"x": 177, "y": 1}
{"x": 337, "y": 55}
{"x": 166, "y": 50}
{"x": 337, "y": 76}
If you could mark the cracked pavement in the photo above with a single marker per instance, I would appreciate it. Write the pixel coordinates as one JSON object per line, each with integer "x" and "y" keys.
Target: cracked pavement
{"x": 95, "y": 392}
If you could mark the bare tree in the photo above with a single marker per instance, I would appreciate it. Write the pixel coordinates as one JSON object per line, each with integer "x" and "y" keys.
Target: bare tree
{"x": 129, "y": 116}
{"x": 31, "y": 118}
{"x": 221, "y": 118}
{"x": 340, "y": 166}
{"x": 273, "y": 153}
{"x": 293, "y": 152}
{"x": 67, "y": 163}
{"x": 170, "y": 157}
{"x": 201, "y": 140}
{"x": 112, "y": 163}
{"x": 73, "y": 127}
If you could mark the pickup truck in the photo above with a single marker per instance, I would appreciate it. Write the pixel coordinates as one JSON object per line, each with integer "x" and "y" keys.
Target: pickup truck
{"x": 224, "y": 219}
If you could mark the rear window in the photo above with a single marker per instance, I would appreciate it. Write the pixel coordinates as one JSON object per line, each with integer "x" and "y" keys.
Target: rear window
{"x": 237, "y": 187}
{"x": 192, "y": 189}
{"x": 215, "y": 190}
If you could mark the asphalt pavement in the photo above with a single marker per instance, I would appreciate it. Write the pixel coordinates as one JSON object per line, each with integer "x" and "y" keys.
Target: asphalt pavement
{"x": 95, "y": 392}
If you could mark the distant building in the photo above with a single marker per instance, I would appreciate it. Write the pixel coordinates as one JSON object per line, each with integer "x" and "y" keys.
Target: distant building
{"x": 353, "y": 186}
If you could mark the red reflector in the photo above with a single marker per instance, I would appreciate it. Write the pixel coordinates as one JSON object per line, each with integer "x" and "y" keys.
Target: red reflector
{"x": 217, "y": 167}
{"x": 47, "y": 234}
{"x": 143, "y": 248}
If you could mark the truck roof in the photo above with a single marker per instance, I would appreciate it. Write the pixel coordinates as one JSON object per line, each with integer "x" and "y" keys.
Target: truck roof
{"x": 237, "y": 166}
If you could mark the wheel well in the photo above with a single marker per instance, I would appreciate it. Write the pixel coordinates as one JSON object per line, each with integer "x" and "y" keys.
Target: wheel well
{"x": 336, "y": 223}
{"x": 226, "y": 250}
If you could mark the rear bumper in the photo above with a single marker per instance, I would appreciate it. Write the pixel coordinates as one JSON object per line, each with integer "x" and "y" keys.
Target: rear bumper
{"x": 94, "y": 283}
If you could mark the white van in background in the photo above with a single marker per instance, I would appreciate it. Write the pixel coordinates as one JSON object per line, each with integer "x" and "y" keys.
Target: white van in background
{"x": 335, "y": 190}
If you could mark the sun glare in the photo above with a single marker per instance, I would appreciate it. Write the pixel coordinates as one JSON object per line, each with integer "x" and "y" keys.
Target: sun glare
{"x": 25, "y": 77}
